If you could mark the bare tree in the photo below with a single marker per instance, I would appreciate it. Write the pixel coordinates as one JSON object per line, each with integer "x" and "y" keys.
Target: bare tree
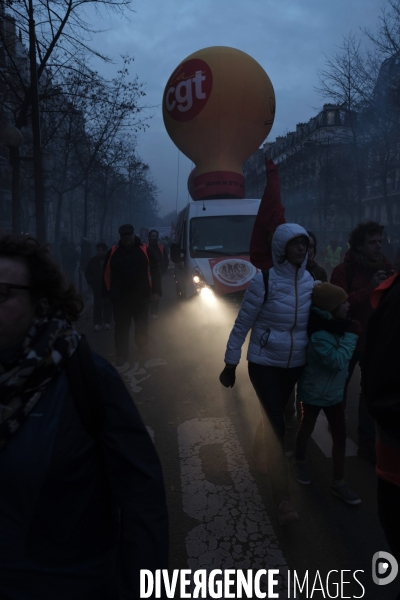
{"x": 347, "y": 80}
{"x": 63, "y": 43}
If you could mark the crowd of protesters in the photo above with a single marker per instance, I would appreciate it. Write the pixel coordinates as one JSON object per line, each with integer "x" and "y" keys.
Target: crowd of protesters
{"x": 312, "y": 333}
{"x": 83, "y": 504}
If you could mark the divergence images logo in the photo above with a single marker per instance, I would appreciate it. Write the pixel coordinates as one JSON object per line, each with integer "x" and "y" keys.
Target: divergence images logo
{"x": 384, "y": 568}
{"x": 188, "y": 90}
{"x": 234, "y": 272}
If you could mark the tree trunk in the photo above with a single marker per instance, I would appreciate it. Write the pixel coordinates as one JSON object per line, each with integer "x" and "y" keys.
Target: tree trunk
{"x": 57, "y": 227}
{"x": 15, "y": 192}
{"x": 71, "y": 217}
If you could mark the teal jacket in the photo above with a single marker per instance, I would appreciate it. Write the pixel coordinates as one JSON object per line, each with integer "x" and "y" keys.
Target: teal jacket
{"x": 324, "y": 376}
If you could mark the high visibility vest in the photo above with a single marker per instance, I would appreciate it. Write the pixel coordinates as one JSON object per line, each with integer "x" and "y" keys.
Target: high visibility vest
{"x": 333, "y": 258}
{"x": 107, "y": 270}
{"x": 161, "y": 246}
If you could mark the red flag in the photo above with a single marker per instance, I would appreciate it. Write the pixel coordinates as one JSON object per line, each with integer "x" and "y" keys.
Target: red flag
{"x": 270, "y": 215}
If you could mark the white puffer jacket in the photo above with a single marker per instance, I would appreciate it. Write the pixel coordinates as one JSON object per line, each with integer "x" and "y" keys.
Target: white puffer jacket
{"x": 279, "y": 326}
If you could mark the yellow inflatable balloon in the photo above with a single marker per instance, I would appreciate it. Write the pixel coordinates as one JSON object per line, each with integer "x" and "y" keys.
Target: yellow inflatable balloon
{"x": 218, "y": 108}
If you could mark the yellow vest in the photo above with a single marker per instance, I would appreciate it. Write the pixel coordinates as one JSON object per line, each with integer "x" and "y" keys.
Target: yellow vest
{"x": 333, "y": 258}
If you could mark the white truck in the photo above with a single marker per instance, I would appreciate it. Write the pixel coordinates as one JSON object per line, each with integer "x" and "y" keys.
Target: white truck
{"x": 211, "y": 250}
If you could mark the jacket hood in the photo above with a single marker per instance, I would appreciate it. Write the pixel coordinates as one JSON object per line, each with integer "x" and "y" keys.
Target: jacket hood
{"x": 283, "y": 234}
{"x": 323, "y": 320}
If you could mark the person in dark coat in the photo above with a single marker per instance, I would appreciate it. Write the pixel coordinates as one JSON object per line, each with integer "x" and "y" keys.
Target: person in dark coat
{"x": 363, "y": 269}
{"x": 381, "y": 387}
{"x": 79, "y": 515}
{"x": 131, "y": 280}
{"x": 312, "y": 267}
{"x": 160, "y": 252}
{"x": 102, "y": 308}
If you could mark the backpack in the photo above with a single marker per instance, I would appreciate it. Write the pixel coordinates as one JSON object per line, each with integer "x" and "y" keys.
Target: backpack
{"x": 83, "y": 378}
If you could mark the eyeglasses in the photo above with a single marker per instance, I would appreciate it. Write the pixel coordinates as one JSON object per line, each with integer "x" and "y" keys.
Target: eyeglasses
{"x": 298, "y": 243}
{"x": 6, "y": 287}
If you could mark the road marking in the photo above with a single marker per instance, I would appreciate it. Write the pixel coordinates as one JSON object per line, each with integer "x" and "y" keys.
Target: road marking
{"x": 132, "y": 375}
{"x": 151, "y": 433}
{"x": 234, "y": 530}
{"x": 323, "y": 438}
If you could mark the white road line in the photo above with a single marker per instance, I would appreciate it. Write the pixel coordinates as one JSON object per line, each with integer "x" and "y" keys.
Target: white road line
{"x": 322, "y": 437}
{"x": 151, "y": 433}
{"x": 234, "y": 530}
{"x": 132, "y": 375}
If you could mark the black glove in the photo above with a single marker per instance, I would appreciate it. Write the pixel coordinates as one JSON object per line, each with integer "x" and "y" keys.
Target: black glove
{"x": 355, "y": 328}
{"x": 228, "y": 377}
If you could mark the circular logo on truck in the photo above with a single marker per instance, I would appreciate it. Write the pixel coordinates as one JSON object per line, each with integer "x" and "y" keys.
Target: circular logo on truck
{"x": 234, "y": 272}
{"x": 188, "y": 90}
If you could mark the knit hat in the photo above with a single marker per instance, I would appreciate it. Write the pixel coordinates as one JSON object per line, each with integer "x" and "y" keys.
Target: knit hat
{"x": 327, "y": 296}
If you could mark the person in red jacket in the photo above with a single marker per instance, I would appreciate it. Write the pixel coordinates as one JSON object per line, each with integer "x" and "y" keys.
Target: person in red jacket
{"x": 363, "y": 269}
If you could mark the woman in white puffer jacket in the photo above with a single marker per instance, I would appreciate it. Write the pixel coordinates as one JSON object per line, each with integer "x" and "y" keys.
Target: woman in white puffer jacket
{"x": 278, "y": 345}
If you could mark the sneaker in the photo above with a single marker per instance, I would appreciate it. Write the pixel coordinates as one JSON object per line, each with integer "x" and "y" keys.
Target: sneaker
{"x": 301, "y": 472}
{"x": 287, "y": 512}
{"x": 342, "y": 491}
{"x": 97, "y": 327}
{"x": 107, "y": 326}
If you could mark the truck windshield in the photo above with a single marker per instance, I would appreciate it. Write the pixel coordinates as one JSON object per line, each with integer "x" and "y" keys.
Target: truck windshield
{"x": 221, "y": 236}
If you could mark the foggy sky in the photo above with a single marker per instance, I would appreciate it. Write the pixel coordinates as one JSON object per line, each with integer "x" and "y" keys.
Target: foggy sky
{"x": 287, "y": 37}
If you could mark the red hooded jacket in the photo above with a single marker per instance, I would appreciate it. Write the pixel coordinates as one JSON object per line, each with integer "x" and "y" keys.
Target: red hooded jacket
{"x": 354, "y": 276}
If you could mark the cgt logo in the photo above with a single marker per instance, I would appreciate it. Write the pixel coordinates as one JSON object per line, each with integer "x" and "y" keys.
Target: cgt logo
{"x": 188, "y": 90}
{"x": 384, "y": 568}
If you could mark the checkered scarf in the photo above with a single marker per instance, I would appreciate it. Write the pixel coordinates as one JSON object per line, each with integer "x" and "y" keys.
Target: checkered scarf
{"x": 49, "y": 343}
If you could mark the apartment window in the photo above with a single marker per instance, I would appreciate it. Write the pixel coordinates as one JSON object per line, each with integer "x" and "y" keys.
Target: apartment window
{"x": 330, "y": 117}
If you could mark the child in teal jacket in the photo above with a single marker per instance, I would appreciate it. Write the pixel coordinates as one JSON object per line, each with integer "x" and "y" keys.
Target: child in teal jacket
{"x": 333, "y": 338}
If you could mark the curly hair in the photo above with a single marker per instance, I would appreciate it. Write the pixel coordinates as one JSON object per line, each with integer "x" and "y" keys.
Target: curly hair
{"x": 358, "y": 235}
{"x": 46, "y": 279}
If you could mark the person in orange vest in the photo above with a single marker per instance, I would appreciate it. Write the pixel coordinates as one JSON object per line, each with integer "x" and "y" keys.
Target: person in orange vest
{"x": 160, "y": 252}
{"x": 131, "y": 280}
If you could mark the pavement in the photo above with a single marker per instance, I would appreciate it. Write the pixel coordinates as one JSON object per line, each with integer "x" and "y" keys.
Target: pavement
{"x": 220, "y": 506}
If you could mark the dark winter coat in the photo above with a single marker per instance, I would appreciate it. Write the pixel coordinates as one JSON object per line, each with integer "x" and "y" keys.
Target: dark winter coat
{"x": 316, "y": 271}
{"x": 129, "y": 274}
{"x": 381, "y": 370}
{"x": 160, "y": 255}
{"x": 94, "y": 273}
{"x": 62, "y": 493}
{"x": 354, "y": 276}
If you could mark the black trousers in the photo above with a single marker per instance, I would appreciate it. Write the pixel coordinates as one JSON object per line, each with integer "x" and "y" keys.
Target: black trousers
{"x": 336, "y": 420}
{"x": 102, "y": 309}
{"x": 389, "y": 514}
{"x": 366, "y": 424}
{"x": 124, "y": 311}
{"x": 273, "y": 386}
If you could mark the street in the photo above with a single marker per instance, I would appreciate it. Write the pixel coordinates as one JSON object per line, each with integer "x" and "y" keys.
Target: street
{"x": 220, "y": 506}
